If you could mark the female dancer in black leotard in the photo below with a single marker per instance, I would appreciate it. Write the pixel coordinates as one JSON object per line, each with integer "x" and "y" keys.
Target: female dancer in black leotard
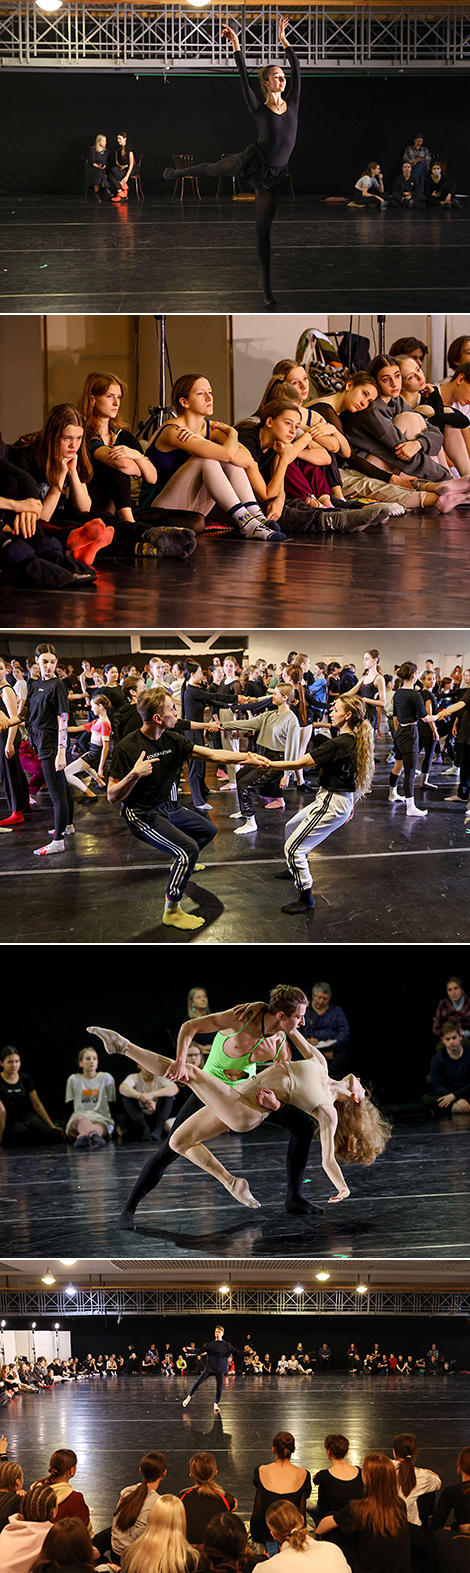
{"x": 265, "y": 161}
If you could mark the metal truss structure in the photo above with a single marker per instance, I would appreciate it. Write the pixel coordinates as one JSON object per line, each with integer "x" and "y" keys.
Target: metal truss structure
{"x": 120, "y": 1302}
{"x": 148, "y": 38}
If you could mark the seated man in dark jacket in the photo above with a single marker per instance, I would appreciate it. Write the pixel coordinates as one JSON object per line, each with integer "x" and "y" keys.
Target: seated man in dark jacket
{"x": 450, "y": 1072}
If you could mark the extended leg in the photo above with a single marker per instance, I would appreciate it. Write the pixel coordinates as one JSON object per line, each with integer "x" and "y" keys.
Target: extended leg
{"x": 266, "y": 204}
{"x": 187, "y": 1140}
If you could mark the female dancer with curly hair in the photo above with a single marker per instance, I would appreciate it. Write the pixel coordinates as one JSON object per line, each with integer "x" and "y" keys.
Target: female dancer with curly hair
{"x": 265, "y": 161}
{"x": 346, "y": 769}
{"x": 350, "y": 1126}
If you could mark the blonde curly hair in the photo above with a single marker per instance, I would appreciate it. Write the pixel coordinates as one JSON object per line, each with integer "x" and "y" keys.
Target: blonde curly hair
{"x": 362, "y": 1131}
{"x": 355, "y": 715}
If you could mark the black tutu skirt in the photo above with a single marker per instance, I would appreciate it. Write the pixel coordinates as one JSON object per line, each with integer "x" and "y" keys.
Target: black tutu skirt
{"x": 253, "y": 167}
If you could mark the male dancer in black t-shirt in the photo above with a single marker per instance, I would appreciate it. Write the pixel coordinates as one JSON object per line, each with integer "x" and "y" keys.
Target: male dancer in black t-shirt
{"x": 217, "y": 1353}
{"x": 144, "y": 772}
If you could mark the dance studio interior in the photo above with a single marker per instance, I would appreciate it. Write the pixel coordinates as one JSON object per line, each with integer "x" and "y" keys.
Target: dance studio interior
{"x": 234, "y": 720}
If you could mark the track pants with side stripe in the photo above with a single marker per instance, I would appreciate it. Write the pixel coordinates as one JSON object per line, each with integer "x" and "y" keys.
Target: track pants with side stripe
{"x": 180, "y": 833}
{"x": 312, "y": 825}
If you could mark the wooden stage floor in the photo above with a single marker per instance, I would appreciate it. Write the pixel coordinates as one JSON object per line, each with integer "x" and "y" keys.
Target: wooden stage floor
{"x": 408, "y": 573}
{"x": 382, "y": 878}
{"x": 413, "y": 1203}
{"x": 111, "y": 1424}
{"x": 58, "y": 254}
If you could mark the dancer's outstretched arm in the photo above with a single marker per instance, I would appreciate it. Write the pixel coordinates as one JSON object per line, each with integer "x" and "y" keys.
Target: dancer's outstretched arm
{"x": 224, "y": 1021}
{"x": 328, "y": 1120}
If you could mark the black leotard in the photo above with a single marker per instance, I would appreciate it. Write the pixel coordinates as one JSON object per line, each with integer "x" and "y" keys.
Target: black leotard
{"x": 265, "y": 160}
{"x": 408, "y": 706}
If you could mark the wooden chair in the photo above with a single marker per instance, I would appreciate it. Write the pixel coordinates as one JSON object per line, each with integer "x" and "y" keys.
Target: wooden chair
{"x": 136, "y": 176}
{"x": 184, "y": 162}
{"x": 236, "y": 187}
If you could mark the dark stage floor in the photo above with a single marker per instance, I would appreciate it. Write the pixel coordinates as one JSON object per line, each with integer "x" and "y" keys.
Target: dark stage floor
{"x": 200, "y": 257}
{"x": 404, "y": 574}
{"x": 414, "y": 1203}
{"x": 111, "y": 1425}
{"x": 381, "y": 878}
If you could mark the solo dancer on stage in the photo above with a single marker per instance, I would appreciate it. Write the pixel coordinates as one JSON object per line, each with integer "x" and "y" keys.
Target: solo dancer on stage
{"x": 265, "y": 161}
{"x": 349, "y": 1123}
{"x": 217, "y": 1354}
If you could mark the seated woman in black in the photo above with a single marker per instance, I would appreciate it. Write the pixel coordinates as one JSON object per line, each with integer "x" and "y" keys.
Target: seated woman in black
{"x": 116, "y": 457}
{"x": 374, "y": 1530}
{"x": 95, "y": 169}
{"x": 439, "y": 191}
{"x": 406, "y": 190}
{"x": 204, "y": 1501}
{"x": 24, "y": 1122}
{"x": 454, "y": 1499}
{"x": 279, "y": 1481}
{"x": 28, "y": 555}
{"x": 339, "y": 1484}
{"x": 56, "y": 459}
{"x": 122, "y": 167}
{"x": 391, "y": 440}
{"x": 277, "y": 443}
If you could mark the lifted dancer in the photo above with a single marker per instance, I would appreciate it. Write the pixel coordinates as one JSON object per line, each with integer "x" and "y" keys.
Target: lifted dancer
{"x": 144, "y": 772}
{"x": 241, "y": 1043}
{"x": 265, "y": 161}
{"x": 358, "y": 1135}
{"x": 217, "y": 1353}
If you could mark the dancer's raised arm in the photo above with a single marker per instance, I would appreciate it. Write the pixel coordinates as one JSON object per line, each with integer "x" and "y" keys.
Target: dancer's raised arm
{"x": 225, "y": 1021}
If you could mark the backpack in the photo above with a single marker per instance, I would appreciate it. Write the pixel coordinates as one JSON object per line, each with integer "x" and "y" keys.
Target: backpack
{"x": 316, "y": 352}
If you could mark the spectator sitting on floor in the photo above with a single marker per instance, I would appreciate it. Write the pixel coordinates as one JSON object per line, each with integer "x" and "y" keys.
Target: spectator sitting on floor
{"x": 439, "y": 191}
{"x": 406, "y": 191}
{"x": 450, "y": 1073}
{"x": 135, "y": 1503}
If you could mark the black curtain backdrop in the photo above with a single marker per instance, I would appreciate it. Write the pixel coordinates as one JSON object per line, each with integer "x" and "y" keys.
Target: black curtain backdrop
{"x": 275, "y": 1334}
{"x": 390, "y": 996}
{"x": 51, "y": 118}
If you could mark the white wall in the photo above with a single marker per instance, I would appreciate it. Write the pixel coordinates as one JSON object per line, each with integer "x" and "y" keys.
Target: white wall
{"x": 258, "y": 342}
{"x": 446, "y": 646}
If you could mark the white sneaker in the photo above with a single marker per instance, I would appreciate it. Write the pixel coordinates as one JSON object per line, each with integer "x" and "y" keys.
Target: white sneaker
{"x": 216, "y": 1409}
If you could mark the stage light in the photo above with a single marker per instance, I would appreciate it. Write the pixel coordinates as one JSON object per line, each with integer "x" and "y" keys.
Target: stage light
{"x": 3, "y": 1324}
{"x": 48, "y": 1277}
{"x": 56, "y": 1326}
{"x": 361, "y": 1288}
{"x": 33, "y": 1325}
{"x": 298, "y": 1288}
{"x": 68, "y": 1261}
{"x": 70, "y": 1290}
{"x": 49, "y": 5}
{"x": 224, "y": 1288}
{"x": 323, "y": 1277}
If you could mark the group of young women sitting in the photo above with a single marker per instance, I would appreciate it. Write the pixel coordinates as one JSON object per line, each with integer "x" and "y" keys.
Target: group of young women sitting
{"x": 109, "y": 173}
{"x": 380, "y": 1516}
{"x": 83, "y": 485}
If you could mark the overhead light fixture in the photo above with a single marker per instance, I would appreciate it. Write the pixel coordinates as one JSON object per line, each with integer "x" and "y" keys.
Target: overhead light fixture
{"x": 224, "y": 1288}
{"x": 298, "y": 1288}
{"x": 56, "y": 1326}
{"x": 323, "y": 1277}
{"x": 362, "y": 1288}
{"x": 3, "y": 1324}
{"x": 70, "y": 1290}
{"x": 33, "y": 1324}
{"x": 68, "y": 1261}
{"x": 48, "y": 1277}
{"x": 49, "y": 5}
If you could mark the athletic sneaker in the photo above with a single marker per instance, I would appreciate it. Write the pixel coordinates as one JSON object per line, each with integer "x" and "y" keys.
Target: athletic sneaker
{"x": 259, "y": 532}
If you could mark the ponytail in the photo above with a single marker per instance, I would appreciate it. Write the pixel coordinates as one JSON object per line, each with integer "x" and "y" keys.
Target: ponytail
{"x": 286, "y": 1523}
{"x": 405, "y": 1448}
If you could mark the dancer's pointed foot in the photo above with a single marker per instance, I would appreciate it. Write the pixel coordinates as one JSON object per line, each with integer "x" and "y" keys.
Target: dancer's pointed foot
{"x": 112, "y": 1042}
{"x": 241, "y": 1191}
{"x": 186, "y": 1401}
{"x": 171, "y": 173}
{"x": 127, "y": 1219}
{"x": 216, "y": 1409}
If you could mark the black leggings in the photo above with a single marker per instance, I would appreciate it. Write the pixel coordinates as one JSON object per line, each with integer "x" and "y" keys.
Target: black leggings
{"x": 148, "y": 1122}
{"x": 265, "y": 209}
{"x": 61, "y": 794}
{"x": 428, "y": 742}
{"x": 298, "y": 1124}
{"x": 13, "y": 778}
{"x": 204, "y": 1377}
{"x": 251, "y": 781}
{"x": 30, "y": 1132}
{"x": 407, "y": 749}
